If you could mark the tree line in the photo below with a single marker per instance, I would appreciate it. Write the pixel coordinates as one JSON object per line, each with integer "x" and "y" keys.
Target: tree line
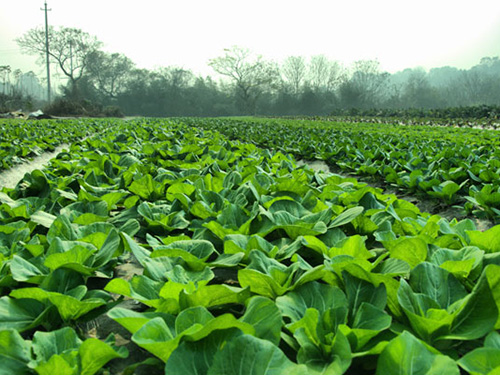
{"x": 247, "y": 83}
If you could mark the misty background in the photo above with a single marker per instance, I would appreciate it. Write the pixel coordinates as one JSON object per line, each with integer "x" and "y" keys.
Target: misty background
{"x": 90, "y": 81}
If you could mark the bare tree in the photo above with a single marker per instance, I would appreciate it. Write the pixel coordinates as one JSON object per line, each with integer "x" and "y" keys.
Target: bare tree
{"x": 177, "y": 78}
{"x": 324, "y": 75}
{"x": 418, "y": 92}
{"x": 336, "y": 75}
{"x": 250, "y": 74}
{"x": 109, "y": 72}
{"x": 32, "y": 81}
{"x": 69, "y": 48}
{"x": 318, "y": 72}
{"x": 5, "y": 72}
{"x": 364, "y": 88}
{"x": 18, "y": 84}
{"x": 294, "y": 72}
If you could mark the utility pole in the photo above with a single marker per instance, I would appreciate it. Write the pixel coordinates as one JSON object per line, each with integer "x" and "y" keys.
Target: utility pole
{"x": 47, "y": 48}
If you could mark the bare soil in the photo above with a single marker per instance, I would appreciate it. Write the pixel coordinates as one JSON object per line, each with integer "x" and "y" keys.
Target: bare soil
{"x": 102, "y": 326}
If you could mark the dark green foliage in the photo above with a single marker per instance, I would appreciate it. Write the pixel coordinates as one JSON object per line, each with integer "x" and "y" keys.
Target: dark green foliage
{"x": 246, "y": 263}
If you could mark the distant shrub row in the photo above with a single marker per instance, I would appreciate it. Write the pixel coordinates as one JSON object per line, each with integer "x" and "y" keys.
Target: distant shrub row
{"x": 469, "y": 112}
{"x": 66, "y": 107}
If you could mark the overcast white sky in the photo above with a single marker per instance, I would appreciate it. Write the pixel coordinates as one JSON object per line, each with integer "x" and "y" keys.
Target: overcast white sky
{"x": 187, "y": 33}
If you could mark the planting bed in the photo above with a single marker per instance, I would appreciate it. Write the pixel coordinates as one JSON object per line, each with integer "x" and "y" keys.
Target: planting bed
{"x": 157, "y": 246}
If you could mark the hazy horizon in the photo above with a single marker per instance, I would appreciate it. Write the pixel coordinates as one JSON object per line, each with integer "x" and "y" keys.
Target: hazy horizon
{"x": 399, "y": 35}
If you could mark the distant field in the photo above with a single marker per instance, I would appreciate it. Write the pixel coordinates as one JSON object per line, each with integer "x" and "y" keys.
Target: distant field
{"x": 200, "y": 246}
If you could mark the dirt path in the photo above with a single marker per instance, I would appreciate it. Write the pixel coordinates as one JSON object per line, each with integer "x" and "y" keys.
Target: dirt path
{"x": 11, "y": 177}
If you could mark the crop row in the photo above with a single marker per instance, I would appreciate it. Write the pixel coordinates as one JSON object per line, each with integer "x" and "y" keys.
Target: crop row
{"x": 453, "y": 165}
{"x": 22, "y": 140}
{"x": 248, "y": 265}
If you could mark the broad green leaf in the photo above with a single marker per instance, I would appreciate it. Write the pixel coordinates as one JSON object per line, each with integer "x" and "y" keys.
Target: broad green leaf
{"x": 62, "y": 280}
{"x": 59, "y": 351}
{"x": 492, "y": 273}
{"x": 436, "y": 283}
{"x": 202, "y": 210}
{"x": 368, "y": 323}
{"x": 213, "y": 295}
{"x": 161, "y": 218}
{"x": 133, "y": 320}
{"x": 20, "y": 314}
{"x": 359, "y": 291}
{"x": 363, "y": 273}
{"x": 445, "y": 190}
{"x": 260, "y": 283}
{"x": 292, "y": 207}
{"x": 130, "y": 227}
{"x": 43, "y": 218}
{"x": 146, "y": 187}
{"x": 90, "y": 218}
{"x": 460, "y": 229}
{"x": 140, "y": 288}
{"x": 408, "y": 355}
{"x": 28, "y": 271}
{"x": 311, "y": 295}
{"x": 113, "y": 198}
{"x": 58, "y": 364}
{"x": 265, "y": 317}
{"x": 140, "y": 253}
{"x": 461, "y": 262}
{"x": 265, "y": 276}
{"x": 156, "y": 337}
{"x": 62, "y": 228}
{"x": 248, "y": 355}
{"x": 426, "y": 318}
{"x": 227, "y": 260}
{"x": 492, "y": 340}
{"x": 412, "y": 250}
{"x": 346, "y": 217}
{"x": 47, "y": 344}
{"x": 195, "y": 358}
{"x": 353, "y": 246}
{"x": 478, "y": 315}
{"x": 14, "y": 353}
{"x": 191, "y": 316}
{"x": 334, "y": 358}
{"x": 236, "y": 243}
{"x": 75, "y": 259}
{"x": 179, "y": 188}
{"x": 370, "y": 317}
{"x": 94, "y": 354}
{"x": 481, "y": 361}
{"x": 308, "y": 329}
{"x": 394, "y": 267}
{"x": 179, "y": 274}
{"x": 69, "y": 307}
{"x": 315, "y": 244}
{"x": 109, "y": 249}
{"x": 201, "y": 249}
{"x": 489, "y": 240}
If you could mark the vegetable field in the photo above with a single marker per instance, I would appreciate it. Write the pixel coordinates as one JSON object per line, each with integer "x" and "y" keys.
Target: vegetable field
{"x": 204, "y": 254}
{"x": 456, "y": 166}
